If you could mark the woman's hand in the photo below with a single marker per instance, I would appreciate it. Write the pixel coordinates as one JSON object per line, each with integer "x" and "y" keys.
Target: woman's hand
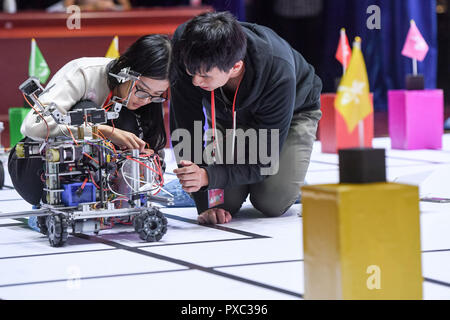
{"x": 122, "y": 138}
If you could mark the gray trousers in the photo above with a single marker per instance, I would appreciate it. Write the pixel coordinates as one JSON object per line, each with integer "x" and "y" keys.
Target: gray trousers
{"x": 277, "y": 193}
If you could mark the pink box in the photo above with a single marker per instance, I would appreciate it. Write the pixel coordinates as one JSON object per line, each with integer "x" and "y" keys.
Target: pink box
{"x": 416, "y": 119}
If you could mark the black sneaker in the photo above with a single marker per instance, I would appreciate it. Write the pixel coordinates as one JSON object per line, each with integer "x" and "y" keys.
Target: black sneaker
{"x": 42, "y": 225}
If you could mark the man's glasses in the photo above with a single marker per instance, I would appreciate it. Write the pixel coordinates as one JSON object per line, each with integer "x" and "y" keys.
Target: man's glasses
{"x": 142, "y": 94}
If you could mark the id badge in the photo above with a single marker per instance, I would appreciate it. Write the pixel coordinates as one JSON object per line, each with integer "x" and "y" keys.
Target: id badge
{"x": 215, "y": 197}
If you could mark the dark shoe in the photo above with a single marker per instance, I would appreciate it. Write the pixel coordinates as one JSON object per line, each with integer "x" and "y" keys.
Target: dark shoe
{"x": 42, "y": 225}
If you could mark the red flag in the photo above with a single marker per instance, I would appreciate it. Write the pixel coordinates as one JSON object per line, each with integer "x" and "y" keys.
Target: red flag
{"x": 344, "y": 52}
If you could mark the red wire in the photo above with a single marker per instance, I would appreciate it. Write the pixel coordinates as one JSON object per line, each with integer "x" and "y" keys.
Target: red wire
{"x": 213, "y": 115}
{"x": 104, "y": 139}
{"x": 234, "y": 100}
{"x": 93, "y": 181}
{"x": 158, "y": 166}
{"x": 108, "y": 106}
{"x": 141, "y": 163}
{"x": 108, "y": 98}
{"x": 84, "y": 183}
{"x": 71, "y": 134}
{"x": 90, "y": 157}
{"x": 161, "y": 175}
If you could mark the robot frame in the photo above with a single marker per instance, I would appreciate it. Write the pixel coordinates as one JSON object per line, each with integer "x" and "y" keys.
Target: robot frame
{"x": 80, "y": 174}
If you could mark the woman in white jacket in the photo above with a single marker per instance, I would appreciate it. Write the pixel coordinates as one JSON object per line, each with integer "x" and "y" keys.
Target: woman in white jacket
{"x": 139, "y": 125}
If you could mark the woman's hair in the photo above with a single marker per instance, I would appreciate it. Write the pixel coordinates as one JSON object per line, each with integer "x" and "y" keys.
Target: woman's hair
{"x": 150, "y": 56}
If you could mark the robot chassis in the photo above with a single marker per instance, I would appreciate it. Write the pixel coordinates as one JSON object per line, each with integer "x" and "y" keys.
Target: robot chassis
{"x": 72, "y": 201}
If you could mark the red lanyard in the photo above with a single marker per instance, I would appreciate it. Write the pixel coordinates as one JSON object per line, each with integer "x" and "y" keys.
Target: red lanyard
{"x": 213, "y": 115}
{"x": 108, "y": 99}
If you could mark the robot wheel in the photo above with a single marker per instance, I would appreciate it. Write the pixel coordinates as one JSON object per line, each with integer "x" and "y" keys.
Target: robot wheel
{"x": 57, "y": 230}
{"x": 151, "y": 225}
{"x": 2, "y": 176}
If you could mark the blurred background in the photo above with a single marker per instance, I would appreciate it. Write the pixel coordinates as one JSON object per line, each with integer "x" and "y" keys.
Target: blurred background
{"x": 310, "y": 26}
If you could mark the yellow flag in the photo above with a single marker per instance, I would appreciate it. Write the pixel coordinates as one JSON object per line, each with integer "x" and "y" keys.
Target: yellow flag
{"x": 353, "y": 98}
{"x": 113, "y": 50}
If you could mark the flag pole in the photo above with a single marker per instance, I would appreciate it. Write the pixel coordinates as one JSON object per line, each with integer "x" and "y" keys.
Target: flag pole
{"x": 361, "y": 134}
{"x": 33, "y": 58}
{"x": 344, "y": 64}
{"x": 357, "y": 44}
{"x": 414, "y": 60}
{"x": 414, "y": 67}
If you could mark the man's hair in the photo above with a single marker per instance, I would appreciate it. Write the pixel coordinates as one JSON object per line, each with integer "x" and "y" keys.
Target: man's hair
{"x": 213, "y": 39}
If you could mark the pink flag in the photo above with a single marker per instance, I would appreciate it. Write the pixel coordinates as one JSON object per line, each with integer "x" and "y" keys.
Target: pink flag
{"x": 415, "y": 45}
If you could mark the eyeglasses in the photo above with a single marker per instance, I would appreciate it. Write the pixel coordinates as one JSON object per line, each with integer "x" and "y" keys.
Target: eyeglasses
{"x": 142, "y": 94}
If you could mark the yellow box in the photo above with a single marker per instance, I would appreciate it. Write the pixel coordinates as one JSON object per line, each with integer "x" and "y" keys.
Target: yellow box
{"x": 362, "y": 241}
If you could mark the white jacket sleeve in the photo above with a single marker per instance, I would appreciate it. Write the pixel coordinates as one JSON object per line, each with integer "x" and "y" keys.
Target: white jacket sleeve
{"x": 69, "y": 87}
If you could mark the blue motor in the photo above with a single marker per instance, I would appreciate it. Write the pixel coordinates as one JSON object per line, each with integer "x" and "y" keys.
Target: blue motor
{"x": 73, "y": 194}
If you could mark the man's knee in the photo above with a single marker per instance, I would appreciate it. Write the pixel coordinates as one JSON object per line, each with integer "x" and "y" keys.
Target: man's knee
{"x": 271, "y": 207}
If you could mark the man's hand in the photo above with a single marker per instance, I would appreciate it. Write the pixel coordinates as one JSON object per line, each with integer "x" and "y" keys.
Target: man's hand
{"x": 192, "y": 177}
{"x": 122, "y": 138}
{"x": 214, "y": 216}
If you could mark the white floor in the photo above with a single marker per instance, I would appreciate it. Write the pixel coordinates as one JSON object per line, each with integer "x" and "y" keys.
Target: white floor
{"x": 250, "y": 258}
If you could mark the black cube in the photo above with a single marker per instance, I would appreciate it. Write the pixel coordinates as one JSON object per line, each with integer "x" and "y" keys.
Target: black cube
{"x": 76, "y": 117}
{"x": 415, "y": 82}
{"x": 97, "y": 116}
{"x": 362, "y": 165}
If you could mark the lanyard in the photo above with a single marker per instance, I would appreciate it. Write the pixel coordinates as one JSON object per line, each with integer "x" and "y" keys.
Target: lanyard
{"x": 213, "y": 119}
{"x": 108, "y": 99}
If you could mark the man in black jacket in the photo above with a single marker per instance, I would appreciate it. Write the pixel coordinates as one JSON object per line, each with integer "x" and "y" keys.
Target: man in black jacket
{"x": 261, "y": 98}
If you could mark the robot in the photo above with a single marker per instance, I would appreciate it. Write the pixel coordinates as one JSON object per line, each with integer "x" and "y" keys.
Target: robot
{"x": 89, "y": 185}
